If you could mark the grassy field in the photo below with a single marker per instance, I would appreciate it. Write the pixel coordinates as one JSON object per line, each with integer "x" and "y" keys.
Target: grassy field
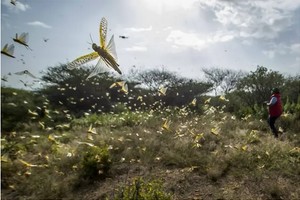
{"x": 167, "y": 154}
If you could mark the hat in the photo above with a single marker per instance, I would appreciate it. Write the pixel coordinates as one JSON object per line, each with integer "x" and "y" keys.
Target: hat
{"x": 275, "y": 90}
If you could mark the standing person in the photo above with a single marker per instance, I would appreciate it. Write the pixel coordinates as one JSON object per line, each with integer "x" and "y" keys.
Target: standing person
{"x": 275, "y": 110}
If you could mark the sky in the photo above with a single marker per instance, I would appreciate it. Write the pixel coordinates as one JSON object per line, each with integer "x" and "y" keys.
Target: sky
{"x": 179, "y": 36}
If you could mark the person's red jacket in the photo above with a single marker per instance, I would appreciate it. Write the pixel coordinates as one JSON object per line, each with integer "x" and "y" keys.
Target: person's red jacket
{"x": 275, "y": 110}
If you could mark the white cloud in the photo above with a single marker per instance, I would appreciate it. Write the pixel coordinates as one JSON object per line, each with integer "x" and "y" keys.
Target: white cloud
{"x": 198, "y": 42}
{"x": 18, "y": 7}
{"x": 162, "y": 6}
{"x": 167, "y": 28}
{"x": 132, "y": 29}
{"x": 255, "y": 18}
{"x": 248, "y": 42}
{"x": 179, "y": 38}
{"x": 228, "y": 15}
{"x": 270, "y": 53}
{"x": 281, "y": 49}
{"x": 38, "y": 23}
{"x": 21, "y": 6}
{"x": 136, "y": 48}
{"x": 4, "y": 15}
{"x": 295, "y": 48}
{"x": 295, "y": 66}
{"x": 222, "y": 36}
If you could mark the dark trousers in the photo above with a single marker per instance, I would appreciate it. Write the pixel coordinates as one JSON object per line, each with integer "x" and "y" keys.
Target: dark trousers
{"x": 271, "y": 122}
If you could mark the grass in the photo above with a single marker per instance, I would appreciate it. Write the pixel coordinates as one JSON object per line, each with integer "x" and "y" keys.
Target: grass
{"x": 130, "y": 155}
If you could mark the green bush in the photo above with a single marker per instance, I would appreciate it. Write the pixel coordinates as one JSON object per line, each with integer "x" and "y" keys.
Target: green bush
{"x": 16, "y": 103}
{"x": 289, "y": 122}
{"x": 95, "y": 163}
{"x": 142, "y": 190}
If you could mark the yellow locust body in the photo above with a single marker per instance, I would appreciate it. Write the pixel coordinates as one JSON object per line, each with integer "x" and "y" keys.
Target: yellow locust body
{"x": 107, "y": 57}
{"x": 105, "y": 52}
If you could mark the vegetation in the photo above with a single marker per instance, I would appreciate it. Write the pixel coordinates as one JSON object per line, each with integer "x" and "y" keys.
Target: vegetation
{"x": 87, "y": 140}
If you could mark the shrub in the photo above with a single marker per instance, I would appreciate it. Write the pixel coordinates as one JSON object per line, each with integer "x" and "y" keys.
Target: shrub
{"x": 95, "y": 163}
{"x": 142, "y": 190}
{"x": 289, "y": 122}
{"x": 15, "y": 104}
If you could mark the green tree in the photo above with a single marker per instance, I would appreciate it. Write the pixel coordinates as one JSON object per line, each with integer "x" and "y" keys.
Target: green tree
{"x": 154, "y": 78}
{"x": 69, "y": 89}
{"x": 291, "y": 88}
{"x": 180, "y": 90}
{"x": 256, "y": 86}
{"x": 185, "y": 91}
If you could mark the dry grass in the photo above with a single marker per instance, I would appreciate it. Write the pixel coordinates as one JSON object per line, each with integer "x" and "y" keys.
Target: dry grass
{"x": 212, "y": 156}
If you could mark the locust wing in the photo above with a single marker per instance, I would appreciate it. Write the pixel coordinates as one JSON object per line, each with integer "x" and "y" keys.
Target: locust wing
{"x": 82, "y": 60}
{"x": 5, "y": 48}
{"x": 99, "y": 68}
{"x": 111, "y": 48}
{"x": 25, "y": 72}
{"x": 23, "y": 38}
{"x": 103, "y": 32}
{"x": 8, "y": 50}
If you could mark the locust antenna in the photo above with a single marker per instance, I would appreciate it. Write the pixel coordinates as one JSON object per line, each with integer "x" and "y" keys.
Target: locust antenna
{"x": 91, "y": 38}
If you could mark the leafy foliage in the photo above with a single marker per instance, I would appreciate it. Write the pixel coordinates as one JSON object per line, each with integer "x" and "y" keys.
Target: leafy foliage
{"x": 70, "y": 90}
{"x": 15, "y": 104}
{"x": 95, "y": 163}
{"x": 155, "y": 78}
{"x": 143, "y": 190}
{"x": 256, "y": 86}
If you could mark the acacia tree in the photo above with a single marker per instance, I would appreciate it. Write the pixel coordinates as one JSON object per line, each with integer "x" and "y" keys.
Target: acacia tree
{"x": 71, "y": 90}
{"x": 223, "y": 80}
{"x": 154, "y": 78}
{"x": 180, "y": 90}
{"x": 184, "y": 92}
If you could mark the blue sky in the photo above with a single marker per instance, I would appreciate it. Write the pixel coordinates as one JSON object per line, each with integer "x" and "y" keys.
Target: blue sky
{"x": 181, "y": 36}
